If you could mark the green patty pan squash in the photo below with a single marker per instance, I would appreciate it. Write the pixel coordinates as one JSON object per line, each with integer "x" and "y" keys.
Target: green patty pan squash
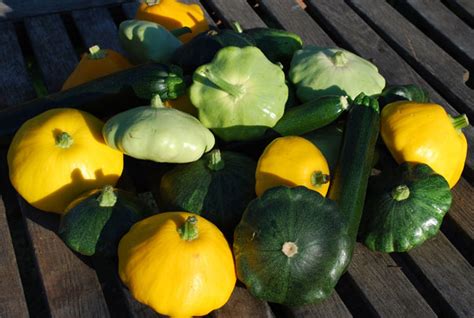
{"x": 146, "y": 41}
{"x": 319, "y": 71}
{"x": 404, "y": 210}
{"x": 291, "y": 246}
{"x": 158, "y": 133}
{"x": 95, "y": 222}
{"x": 239, "y": 94}
{"x": 218, "y": 187}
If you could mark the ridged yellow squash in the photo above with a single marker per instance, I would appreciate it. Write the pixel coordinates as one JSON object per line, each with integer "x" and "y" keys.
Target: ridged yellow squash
{"x": 178, "y": 263}
{"x": 59, "y": 154}
{"x": 292, "y": 161}
{"x": 425, "y": 133}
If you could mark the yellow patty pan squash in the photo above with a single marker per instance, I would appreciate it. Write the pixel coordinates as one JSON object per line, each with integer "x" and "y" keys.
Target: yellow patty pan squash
{"x": 178, "y": 263}
{"x": 59, "y": 154}
{"x": 425, "y": 133}
{"x": 95, "y": 64}
{"x": 174, "y": 14}
{"x": 292, "y": 161}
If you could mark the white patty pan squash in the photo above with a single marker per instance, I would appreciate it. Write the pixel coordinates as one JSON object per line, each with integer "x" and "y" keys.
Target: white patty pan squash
{"x": 239, "y": 94}
{"x": 158, "y": 133}
{"x": 319, "y": 71}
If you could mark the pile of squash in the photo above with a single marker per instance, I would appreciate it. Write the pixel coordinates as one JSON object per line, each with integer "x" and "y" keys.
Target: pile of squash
{"x": 275, "y": 156}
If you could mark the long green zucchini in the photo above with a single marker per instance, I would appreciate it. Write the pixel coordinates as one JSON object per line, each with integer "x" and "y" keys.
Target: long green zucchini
{"x": 102, "y": 97}
{"x": 311, "y": 115}
{"x": 349, "y": 186}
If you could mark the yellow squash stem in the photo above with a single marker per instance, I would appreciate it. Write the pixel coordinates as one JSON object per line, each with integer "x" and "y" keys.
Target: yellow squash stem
{"x": 189, "y": 231}
{"x": 107, "y": 197}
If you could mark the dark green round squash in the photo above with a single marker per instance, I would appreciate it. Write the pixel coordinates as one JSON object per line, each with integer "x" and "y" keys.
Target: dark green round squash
{"x": 409, "y": 92}
{"x": 328, "y": 139}
{"x": 277, "y": 45}
{"x": 405, "y": 209}
{"x": 95, "y": 222}
{"x": 202, "y": 48}
{"x": 218, "y": 187}
{"x": 291, "y": 246}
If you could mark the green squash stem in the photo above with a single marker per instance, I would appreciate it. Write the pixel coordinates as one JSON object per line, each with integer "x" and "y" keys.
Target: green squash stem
{"x": 156, "y": 102}
{"x": 318, "y": 178}
{"x": 215, "y": 160}
{"x": 400, "y": 193}
{"x": 64, "y": 140}
{"x": 339, "y": 59}
{"x": 188, "y": 231}
{"x": 96, "y": 53}
{"x": 181, "y": 31}
{"x": 290, "y": 249}
{"x": 107, "y": 197}
{"x": 236, "y": 27}
{"x": 460, "y": 122}
{"x": 227, "y": 87}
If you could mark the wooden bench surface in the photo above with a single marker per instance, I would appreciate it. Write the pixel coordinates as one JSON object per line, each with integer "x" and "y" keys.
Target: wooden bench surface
{"x": 426, "y": 42}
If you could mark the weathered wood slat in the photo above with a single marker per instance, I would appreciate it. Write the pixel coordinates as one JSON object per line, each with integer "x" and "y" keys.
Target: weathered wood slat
{"x": 462, "y": 207}
{"x": 97, "y": 27}
{"x": 386, "y": 287}
{"x": 465, "y": 4}
{"x": 458, "y": 224}
{"x": 52, "y": 48}
{"x": 237, "y": 10}
{"x": 449, "y": 31}
{"x": 16, "y": 9}
{"x": 351, "y": 30}
{"x": 71, "y": 285}
{"x": 293, "y": 18}
{"x": 446, "y": 269}
{"x": 329, "y": 308}
{"x": 439, "y": 68}
{"x": 243, "y": 304}
{"x": 463, "y": 8}
{"x": 15, "y": 83}
{"x": 12, "y": 299}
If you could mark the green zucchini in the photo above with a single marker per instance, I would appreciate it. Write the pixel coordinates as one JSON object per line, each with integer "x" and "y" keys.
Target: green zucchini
{"x": 102, "y": 97}
{"x": 311, "y": 115}
{"x": 349, "y": 184}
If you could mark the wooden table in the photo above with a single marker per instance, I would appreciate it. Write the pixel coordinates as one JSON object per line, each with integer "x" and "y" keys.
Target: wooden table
{"x": 426, "y": 42}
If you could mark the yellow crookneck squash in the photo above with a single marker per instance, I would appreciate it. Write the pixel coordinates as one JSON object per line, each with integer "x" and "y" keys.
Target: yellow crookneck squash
{"x": 173, "y": 14}
{"x": 178, "y": 263}
{"x": 292, "y": 161}
{"x": 59, "y": 154}
{"x": 95, "y": 64}
{"x": 425, "y": 133}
